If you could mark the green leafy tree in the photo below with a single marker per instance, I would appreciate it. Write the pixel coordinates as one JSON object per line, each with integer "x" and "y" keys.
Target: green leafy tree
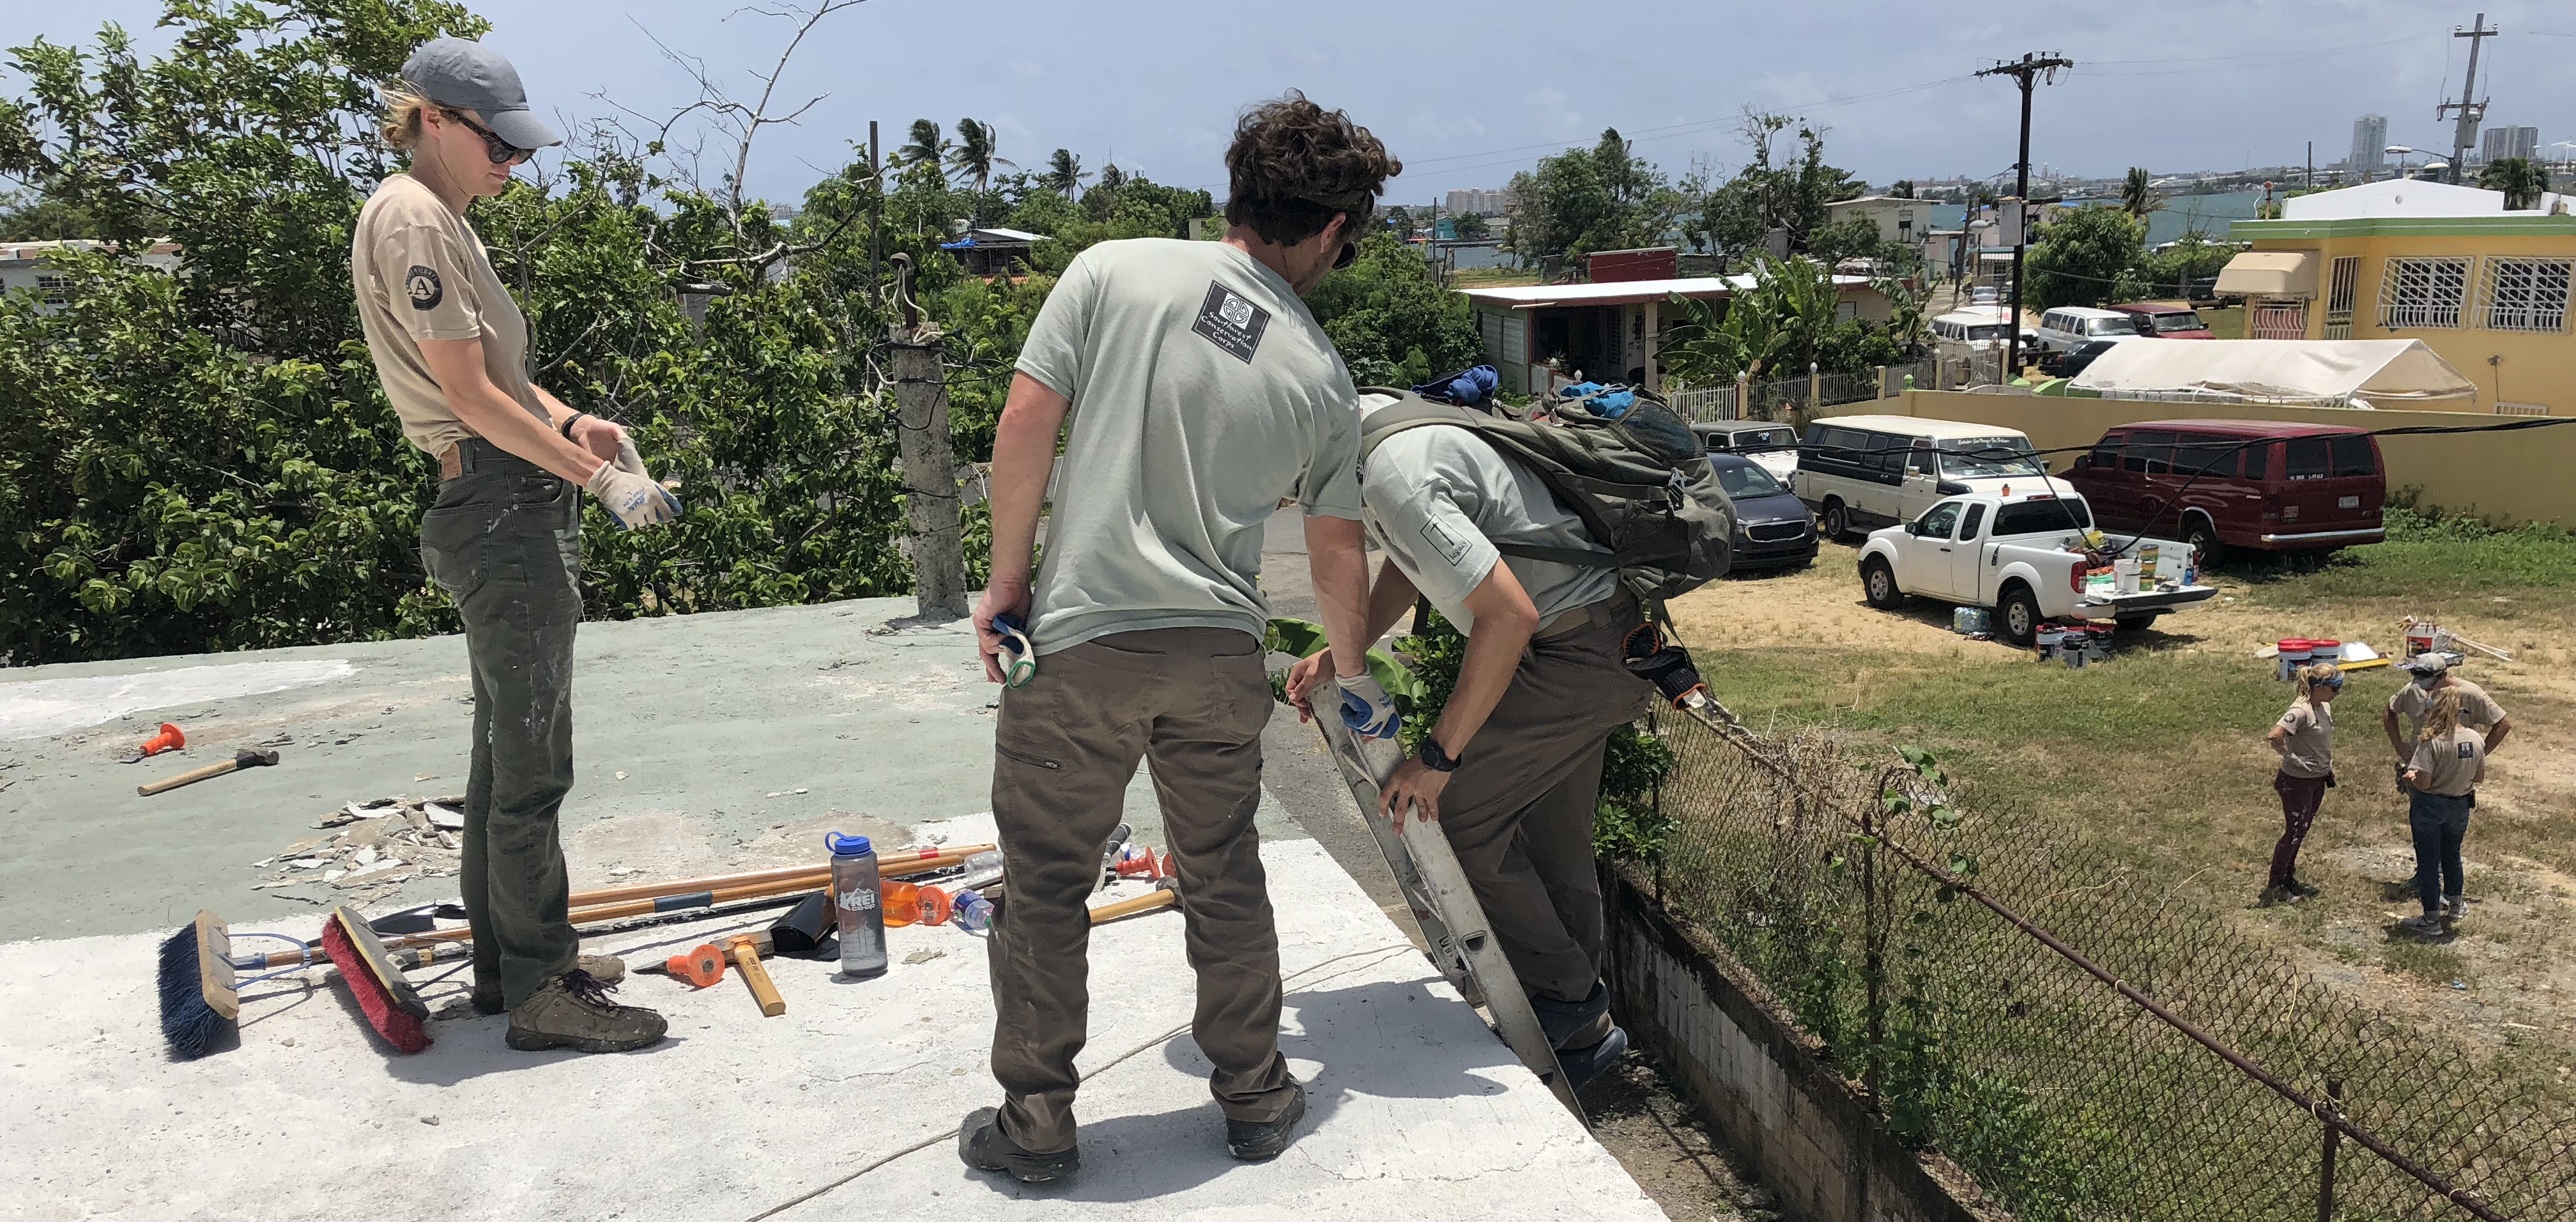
{"x": 1472, "y": 228}
{"x": 2083, "y": 257}
{"x": 2192, "y": 259}
{"x": 1770, "y": 196}
{"x": 1853, "y": 237}
{"x": 37, "y": 215}
{"x": 1582, "y": 200}
{"x": 1111, "y": 177}
{"x": 1064, "y": 174}
{"x": 2521, "y": 180}
{"x": 973, "y": 156}
{"x": 1786, "y": 321}
{"x": 1393, "y": 324}
{"x": 1902, "y": 188}
{"x": 2138, "y": 193}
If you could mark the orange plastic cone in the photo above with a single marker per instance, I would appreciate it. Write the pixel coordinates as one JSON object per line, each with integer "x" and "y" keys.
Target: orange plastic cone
{"x": 169, "y": 739}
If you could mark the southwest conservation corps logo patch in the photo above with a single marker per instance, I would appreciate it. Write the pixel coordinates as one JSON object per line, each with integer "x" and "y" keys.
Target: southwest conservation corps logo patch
{"x": 421, "y": 285}
{"x": 1231, "y": 323}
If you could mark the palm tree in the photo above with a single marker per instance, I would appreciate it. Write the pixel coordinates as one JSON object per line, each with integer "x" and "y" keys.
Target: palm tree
{"x": 2520, "y": 180}
{"x": 2138, "y": 194}
{"x": 1064, "y": 174}
{"x": 1111, "y": 177}
{"x": 973, "y": 156}
{"x": 927, "y": 144}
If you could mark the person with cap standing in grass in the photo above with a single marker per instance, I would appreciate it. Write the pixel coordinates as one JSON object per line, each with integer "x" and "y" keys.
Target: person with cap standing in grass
{"x": 1201, "y": 394}
{"x": 504, "y": 537}
{"x": 2441, "y": 779}
{"x": 2431, "y": 675}
{"x": 2304, "y": 739}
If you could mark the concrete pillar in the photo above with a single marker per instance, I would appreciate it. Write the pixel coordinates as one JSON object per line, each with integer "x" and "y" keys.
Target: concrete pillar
{"x": 929, "y": 471}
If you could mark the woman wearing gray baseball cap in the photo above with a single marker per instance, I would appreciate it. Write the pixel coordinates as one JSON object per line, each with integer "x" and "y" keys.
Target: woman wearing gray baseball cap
{"x": 504, "y": 539}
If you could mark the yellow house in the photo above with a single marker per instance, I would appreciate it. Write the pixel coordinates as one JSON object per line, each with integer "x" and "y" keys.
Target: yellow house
{"x": 2485, "y": 288}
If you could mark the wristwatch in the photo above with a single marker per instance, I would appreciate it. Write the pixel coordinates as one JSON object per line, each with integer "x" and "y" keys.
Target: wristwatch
{"x": 1436, "y": 759}
{"x": 566, "y": 427}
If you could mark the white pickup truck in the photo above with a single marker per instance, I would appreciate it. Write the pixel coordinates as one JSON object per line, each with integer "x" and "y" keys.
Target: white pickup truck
{"x": 2021, "y": 554}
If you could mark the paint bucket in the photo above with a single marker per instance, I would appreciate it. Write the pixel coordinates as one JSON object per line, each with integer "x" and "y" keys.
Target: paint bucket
{"x": 2325, "y": 651}
{"x": 1968, "y": 621}
{"x": 2049, "y": 638}
{"x": 2419, "y": 637}
{"x": 2124, "y": 575}
{"x": 2295, "y": 653}
{"x": 2147, "y": 565}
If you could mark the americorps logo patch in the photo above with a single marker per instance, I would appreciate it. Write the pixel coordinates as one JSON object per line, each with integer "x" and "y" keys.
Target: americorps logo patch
{"x": 1230, "y": 321}
{"x": 421, "y": 285}
{"x": 1450, "y": 547}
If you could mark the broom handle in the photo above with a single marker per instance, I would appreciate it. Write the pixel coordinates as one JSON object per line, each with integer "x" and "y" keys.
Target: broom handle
{"x": 683, "y": 886}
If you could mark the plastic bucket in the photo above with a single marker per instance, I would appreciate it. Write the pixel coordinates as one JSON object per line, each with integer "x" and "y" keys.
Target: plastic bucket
{"x": 2325, "y": 651}
{"x": 2049, "y": 638}
{"x": 2124, "y": 576}
{"x": 2419, "y": 638}
{"x": 2295, "y": 653}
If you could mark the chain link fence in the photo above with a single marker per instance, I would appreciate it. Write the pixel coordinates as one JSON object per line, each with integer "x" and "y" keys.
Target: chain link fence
{"x": 2049, "y": 1014}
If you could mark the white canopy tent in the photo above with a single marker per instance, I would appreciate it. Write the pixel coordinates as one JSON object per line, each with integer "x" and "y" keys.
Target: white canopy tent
{"x": 2392, "y": 373}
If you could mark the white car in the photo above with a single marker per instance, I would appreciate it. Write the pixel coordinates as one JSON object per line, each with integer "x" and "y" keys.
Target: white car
{"x": 2066, "y": 326}
{"x": 1772, "y": 447}
{"x": 2023, "y": 556}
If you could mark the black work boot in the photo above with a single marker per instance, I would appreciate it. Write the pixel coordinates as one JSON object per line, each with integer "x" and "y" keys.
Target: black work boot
{"x": 606, "y": 969}
{"x": 1259, "y": 1141}
{"x": 983, "y": 1145}
{"x": 573, "y": 1011}
{"x": 1584, "y": 1063}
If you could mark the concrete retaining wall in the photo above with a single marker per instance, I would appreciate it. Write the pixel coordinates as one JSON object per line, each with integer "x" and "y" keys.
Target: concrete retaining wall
{"x": 1805, "y": 1132}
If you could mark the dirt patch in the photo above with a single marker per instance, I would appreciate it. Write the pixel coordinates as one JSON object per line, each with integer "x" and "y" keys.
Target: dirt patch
{"x": 1669, "y": 1149}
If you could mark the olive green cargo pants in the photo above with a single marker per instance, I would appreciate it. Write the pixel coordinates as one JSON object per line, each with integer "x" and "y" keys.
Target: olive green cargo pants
{"x": 1193, "y": 701}
{"x": 504, "y": 542}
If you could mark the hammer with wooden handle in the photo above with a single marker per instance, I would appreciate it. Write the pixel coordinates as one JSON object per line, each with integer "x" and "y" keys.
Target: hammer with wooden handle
{"x": 746, "y": 960}
{"x": 239, "y": 761}
{"x": 1166, "y": 893}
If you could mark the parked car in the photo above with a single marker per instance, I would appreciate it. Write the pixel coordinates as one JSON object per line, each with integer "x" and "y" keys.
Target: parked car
{"x": 1985, "y": 294}
{"x": 2021, "y": 554}
{"x": 2067, "y": 326}
{"x": 1772, "y": 527}
{"x": 2166, "y": 320}
{"x": 1963, "y": 333}
{"x": 2074, "y": 360}
{"x": 1859, "y": 471}
{"x": 2256, "y": 485}
{"x": 1774, "y": 447}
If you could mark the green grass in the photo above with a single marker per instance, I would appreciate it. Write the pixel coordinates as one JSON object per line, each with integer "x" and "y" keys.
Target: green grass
{"x": 2228, "y": 323}
{"x": 2435, "y": 965}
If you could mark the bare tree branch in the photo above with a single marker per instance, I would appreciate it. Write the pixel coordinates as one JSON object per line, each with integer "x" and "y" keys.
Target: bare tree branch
{"x": 769, "y": 85}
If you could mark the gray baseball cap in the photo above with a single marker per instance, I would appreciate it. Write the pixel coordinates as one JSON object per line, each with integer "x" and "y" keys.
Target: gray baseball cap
{"x": 2426, "y": 664}
{"x": 466, "y": 74}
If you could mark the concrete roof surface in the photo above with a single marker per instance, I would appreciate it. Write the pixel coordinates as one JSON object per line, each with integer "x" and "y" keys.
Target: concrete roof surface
{"x": 2393, "y": 197}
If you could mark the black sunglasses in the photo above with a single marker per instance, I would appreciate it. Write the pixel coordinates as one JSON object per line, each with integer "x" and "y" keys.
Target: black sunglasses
{"x": 1350, "y": 255}
{"x": 501, "y": 151}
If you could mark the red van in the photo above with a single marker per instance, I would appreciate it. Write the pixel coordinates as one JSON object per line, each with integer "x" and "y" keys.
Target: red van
{"x": 2258, "y": 485}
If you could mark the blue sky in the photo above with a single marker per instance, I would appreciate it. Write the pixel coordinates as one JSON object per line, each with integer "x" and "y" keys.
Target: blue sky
{"x": 2170, "y": 84}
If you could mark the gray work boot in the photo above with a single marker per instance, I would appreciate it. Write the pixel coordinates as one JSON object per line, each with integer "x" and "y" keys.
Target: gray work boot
{"x": 1574, "y": 1024}
{"x": 573, "y": 1011}
{"x": 606, "y": 969}
{"x": 983, "y": 1145}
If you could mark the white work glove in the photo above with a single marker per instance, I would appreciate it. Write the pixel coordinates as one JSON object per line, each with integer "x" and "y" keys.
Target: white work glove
{"x": 632, "y": 496}
{"x": 1366, "y": 708}
{"x": 627, "y": 459}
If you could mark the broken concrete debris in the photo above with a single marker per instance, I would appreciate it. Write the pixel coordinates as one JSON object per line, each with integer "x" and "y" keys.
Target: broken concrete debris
{"x": 372, "y": 848}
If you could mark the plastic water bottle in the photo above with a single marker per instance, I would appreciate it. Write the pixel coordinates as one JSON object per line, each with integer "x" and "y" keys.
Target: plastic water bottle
{"x": 970, "y": 912}
{"x": 855, "y": 906}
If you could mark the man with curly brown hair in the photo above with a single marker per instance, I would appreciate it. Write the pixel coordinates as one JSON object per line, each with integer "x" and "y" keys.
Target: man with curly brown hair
{"x": 1201, "y": 394}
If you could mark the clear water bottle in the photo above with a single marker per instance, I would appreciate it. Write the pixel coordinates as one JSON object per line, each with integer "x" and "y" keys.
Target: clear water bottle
{"x": 856, "y": 907}
{"x": 970, "y": 912}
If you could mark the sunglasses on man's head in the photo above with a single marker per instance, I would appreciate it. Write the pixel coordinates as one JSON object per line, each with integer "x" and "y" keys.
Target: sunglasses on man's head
{"x": 501, "y": 151}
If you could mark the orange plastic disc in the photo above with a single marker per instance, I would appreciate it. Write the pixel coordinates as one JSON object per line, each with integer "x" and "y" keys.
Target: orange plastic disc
{"x": 935, "y": 905}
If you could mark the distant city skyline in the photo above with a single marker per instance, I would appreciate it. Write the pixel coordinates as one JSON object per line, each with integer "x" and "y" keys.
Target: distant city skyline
{"x": 2172, "y": 87}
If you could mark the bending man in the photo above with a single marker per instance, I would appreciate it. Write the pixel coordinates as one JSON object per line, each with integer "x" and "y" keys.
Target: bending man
{"x": 1203, "y": 395}
{"x": 1512, "y": 772}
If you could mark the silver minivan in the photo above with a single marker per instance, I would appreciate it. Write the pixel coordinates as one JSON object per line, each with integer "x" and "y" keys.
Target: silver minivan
{"x": 1860, "y": 472}
{"x": 2066, "y": 326}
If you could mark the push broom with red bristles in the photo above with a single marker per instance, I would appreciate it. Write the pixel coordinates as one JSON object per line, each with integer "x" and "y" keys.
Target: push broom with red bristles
{"x": 392, "y": 1007}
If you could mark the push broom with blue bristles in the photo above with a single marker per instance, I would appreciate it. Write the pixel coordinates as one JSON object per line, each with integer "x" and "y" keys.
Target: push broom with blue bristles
{"x": 201, "y": 980}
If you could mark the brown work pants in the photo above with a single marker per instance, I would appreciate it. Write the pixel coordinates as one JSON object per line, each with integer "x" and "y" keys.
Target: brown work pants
{"x": 1193, "y": 701}
{"x": 1519, "y": 809}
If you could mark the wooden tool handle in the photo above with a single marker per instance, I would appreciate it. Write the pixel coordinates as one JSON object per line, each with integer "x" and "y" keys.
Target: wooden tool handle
{"x": 190, "y": 777}
{"x": 746, "y": 959}
{"x": 895, "y": 865}
{"x": 1164, "y": 898}
{"x": 815, "y": 877}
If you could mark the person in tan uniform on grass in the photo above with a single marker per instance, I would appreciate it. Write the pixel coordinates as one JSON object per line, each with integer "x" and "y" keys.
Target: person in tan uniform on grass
{"x": 504, "y": 538}
{"x": 2304, "y": 739}
{"x": 2441, "y": 778}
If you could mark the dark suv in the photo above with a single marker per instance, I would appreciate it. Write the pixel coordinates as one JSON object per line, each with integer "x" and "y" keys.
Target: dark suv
{"x": 1772, "y": 526}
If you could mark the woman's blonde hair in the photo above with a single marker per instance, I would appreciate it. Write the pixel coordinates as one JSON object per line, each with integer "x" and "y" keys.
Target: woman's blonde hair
{"x": 2317, "y": 672}
{"x": 2443, "y": 717}
{"x": 403, "y": 106}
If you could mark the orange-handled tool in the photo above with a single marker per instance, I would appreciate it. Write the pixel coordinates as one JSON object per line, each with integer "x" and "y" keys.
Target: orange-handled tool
{"x": 746, "y": 959}
{"x": 702, "y": 967}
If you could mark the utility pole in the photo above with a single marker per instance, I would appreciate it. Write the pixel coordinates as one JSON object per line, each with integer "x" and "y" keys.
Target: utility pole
{"x": 929, "y": 459}
{"x": 2471, "y": 112}
{"x": 2023, "y": 70}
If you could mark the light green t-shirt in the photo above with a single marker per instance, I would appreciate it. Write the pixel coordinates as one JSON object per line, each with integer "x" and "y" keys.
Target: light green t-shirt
{"x": 1203, "y": 395}
{"x": 1439, "y": 498}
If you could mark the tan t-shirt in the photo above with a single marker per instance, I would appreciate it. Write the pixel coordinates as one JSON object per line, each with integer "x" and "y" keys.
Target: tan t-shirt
{"x": 2308, "y": 739}
{"x": 2477, "y": 708}
{"x": 2452, "y": 764}
{"x": 420, "y": 273}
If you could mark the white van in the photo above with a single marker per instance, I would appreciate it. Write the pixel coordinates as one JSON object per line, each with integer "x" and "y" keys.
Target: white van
{"x": 2066, "y": 326}
{"x": 1860, "y": 472}
{"x": 1960, "y": 334}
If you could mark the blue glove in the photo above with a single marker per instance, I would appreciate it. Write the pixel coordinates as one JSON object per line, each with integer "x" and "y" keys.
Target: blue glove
{"x": 1366, "y": 708}
{"x": 1021, "y": 664}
